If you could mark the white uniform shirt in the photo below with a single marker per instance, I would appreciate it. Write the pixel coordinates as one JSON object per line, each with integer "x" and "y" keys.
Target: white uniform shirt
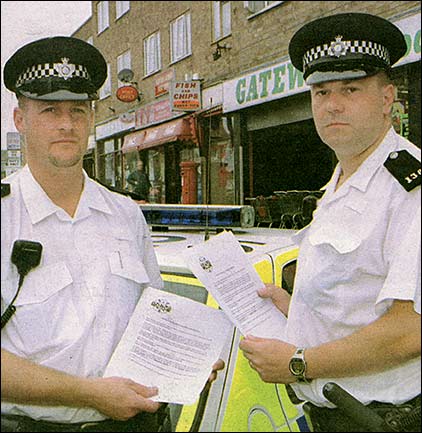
{"x": 361, "y": 252}
{"x": 73, "y": 308}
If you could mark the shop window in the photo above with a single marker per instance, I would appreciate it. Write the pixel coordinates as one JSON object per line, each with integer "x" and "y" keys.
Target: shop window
{"x": 406, "y": 108}
{"x": 221, "y": 159}
{"x": 109, "y": 164}
{"x": 154, "y": 166}
{"x": 130, "y": 161}
{"x": 89, "y": 164}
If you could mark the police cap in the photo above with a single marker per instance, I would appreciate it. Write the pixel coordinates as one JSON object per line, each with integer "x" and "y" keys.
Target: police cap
{"x": 56, "y": 68}
{"x": 346, "y": 46}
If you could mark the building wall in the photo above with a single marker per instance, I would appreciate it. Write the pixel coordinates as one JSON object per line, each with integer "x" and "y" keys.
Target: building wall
{"x": 255, "y": 40}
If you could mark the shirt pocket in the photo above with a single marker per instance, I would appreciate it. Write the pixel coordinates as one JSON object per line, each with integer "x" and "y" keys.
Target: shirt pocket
{"x": 339, "y": 238}
{"x": 46, "y": 319}
{"x": 128, "y": 278}
{"x": 128, "y": 266}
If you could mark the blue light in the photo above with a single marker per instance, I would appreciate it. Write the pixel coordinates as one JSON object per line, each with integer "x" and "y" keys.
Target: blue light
{"x": 198, "y": 215}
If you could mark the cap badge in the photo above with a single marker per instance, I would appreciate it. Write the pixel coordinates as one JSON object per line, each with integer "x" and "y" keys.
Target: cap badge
{"x": 65, "y": 70}
{"x": 338, "y": 47}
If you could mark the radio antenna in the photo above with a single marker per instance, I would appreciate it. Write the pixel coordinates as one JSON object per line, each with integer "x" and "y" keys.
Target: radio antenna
{"x": 208, "y": 178}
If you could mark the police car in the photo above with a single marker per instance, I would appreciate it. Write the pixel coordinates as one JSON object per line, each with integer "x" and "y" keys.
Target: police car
{"x": 238, "y": 400}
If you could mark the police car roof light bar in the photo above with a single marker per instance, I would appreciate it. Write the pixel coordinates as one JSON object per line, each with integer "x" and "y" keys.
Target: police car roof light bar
{"x": 225, "y": 216}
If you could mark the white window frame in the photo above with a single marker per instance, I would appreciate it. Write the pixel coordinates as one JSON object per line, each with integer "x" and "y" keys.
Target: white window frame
{"x": 105, "y": 89}
{"x": 124, "y": 61}
{"x": 181, "y": 37}
{"x": 122, "y": 7}
{"x": 221, "y": 19}
{"x": 152, "y": 54}
{"x": 103, "y": 16}
{"x": 252, "y": 7}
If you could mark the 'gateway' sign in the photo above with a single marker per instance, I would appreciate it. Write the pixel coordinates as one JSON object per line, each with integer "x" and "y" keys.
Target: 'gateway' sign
{"x": 261, "y": 86}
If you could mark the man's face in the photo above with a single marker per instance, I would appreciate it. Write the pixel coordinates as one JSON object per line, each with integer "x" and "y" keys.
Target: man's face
{"x": 351, "y": 116}
{"x": 56, "y": 132}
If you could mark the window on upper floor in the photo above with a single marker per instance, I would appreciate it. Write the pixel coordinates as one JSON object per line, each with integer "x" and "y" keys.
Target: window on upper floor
{"x": 124, "y": 61}
{"x": 121, "y": 8}
{"x": 222, "y": 21}
{"x": 258, "y": 6}
{"x": 181, "y": 38}
{"x": 152, "y": 54}
{"x": 106, "y": 87}
{"x": 102, "y": 16}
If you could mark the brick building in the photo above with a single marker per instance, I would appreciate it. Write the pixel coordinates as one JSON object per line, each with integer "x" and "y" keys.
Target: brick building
{"x": 251, "y": 131}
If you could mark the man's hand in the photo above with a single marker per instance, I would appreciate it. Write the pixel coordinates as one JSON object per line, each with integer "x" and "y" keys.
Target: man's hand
{"x": 269, "y": 358}
{"x": 219, "y": 365}
{"x": 119, "y": 398}
{"x": 279, "y": 296}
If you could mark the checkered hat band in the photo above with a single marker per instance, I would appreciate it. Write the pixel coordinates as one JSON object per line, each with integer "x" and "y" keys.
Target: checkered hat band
{"x": 355, "y": 47}
{"x": 50, "y": 70}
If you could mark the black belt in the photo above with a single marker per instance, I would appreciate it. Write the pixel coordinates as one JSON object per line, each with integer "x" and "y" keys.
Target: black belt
{"x": 143, "y": 422}
{"x": 404, "y": 417}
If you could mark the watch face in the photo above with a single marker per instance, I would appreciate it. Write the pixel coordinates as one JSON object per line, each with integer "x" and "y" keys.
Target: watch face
{"x": 297, "y": 366}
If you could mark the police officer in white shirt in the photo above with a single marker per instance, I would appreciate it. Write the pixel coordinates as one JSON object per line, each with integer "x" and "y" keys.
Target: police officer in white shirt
{"x": 76, "y": 254}
{"x": 354, "y": 316}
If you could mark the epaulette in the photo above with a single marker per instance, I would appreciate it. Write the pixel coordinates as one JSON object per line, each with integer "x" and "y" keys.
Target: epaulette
{"x": 405, "y": 168}
{"x": 5, "y": 189}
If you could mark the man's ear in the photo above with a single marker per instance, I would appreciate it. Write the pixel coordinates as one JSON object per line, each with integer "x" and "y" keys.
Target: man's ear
{"x": 19, "y": 119}
{"x": 388, "y": 98}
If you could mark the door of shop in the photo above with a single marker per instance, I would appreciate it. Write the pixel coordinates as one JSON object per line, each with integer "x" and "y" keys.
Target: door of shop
{"x": 289, "y": 157}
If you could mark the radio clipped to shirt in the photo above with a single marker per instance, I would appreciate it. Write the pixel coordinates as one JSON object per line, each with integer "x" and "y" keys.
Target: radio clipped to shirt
{"x": 26, "y": 255}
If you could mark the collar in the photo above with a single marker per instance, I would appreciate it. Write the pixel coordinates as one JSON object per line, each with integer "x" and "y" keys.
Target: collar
{"x": 39, "y": 205}
{"x": 361, "y": 178}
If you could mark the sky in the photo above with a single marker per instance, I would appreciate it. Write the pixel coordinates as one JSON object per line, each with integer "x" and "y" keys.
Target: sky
{"x": 26, "y": 21}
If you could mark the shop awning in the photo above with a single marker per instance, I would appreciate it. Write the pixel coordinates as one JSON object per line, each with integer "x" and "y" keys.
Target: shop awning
{"x": 133, "y": 141}
{"x": 179, "y": 129}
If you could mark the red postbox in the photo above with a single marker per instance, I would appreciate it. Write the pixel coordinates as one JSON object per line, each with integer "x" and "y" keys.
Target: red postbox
{"x": 189, "y": 176}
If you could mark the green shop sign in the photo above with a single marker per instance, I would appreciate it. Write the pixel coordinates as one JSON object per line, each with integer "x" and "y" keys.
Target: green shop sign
{"x": 263, "y": 85}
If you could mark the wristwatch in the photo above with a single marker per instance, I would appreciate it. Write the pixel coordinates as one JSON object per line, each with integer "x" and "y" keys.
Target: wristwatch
{"x": 297, "y": 365}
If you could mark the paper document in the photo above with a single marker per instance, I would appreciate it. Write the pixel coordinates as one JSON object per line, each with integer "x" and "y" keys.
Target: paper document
{"x": 170, "y": 342}
{"x": 226, "y": 272}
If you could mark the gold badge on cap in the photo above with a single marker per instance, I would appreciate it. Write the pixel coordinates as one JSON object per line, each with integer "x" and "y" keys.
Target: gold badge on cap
{"x": 65, "y": 70}
{"x": 338, "y": 47}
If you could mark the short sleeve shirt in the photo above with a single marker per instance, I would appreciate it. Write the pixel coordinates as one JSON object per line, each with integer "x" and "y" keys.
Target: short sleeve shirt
{"x": 72, "y": 309}
{"x": 361, "y": 252}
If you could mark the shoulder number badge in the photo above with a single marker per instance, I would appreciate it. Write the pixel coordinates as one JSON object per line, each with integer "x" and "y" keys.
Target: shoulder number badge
{"x": 405, "y": 168}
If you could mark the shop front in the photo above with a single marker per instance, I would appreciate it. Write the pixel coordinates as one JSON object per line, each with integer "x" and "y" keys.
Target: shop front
{"x": 109, "y": 140}
{"x": 163, "y": 149}
{"x": 219, "y": 157}
{"x": 273, "y": 121}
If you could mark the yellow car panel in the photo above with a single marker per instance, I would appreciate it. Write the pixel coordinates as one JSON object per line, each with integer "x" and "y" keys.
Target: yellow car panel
{"x": 238, "y": 400}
